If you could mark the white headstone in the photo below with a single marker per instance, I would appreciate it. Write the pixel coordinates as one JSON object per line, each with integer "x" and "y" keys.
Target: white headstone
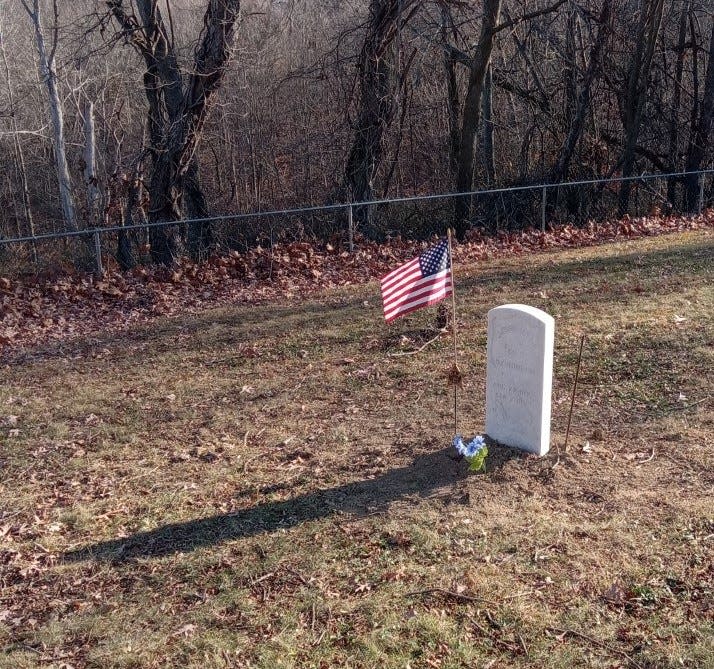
{"x": 519, "y": 377}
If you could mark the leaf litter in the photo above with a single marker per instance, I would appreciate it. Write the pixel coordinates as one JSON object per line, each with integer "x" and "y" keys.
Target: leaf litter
{"x": 37, "y": 310}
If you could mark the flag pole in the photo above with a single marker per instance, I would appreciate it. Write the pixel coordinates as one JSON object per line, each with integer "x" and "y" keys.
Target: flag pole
{"x": 455, "y": 376}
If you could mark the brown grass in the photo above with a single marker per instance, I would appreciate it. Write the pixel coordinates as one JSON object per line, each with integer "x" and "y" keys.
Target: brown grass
{"x": 269, "y": 487}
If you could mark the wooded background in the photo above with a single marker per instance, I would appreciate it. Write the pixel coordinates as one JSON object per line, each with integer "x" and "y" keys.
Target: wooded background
{"x": 121, "y": 112}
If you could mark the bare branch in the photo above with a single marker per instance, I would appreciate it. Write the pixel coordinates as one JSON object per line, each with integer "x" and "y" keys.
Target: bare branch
{"x": 527, "y": 17}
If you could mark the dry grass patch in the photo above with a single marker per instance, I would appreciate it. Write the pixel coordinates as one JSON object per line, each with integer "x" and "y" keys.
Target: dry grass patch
{"x": 269, "y": 487}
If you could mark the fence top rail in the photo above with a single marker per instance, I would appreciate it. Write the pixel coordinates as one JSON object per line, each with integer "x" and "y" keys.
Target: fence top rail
{"x": 345, "y": 205}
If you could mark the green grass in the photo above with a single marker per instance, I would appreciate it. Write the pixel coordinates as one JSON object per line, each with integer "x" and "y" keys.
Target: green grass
{"x": 271, "y": 486}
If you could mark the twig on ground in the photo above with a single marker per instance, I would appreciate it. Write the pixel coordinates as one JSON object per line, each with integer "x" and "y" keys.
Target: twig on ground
{"x": 299, "y": 576}
{"x": 245, "y": 446}
{"x": 597, "y": 642}
{"x": 684, "y": 407}
{"x": 141, "y": 475}
{"x": 30, "y": 648}
{"x": 414, "y": 352}
{"x": 679, "y": 463}
{"x": 478, "y": 626}
{"x": 519, "y": 594}
{"x": 652, "y": 454}
{"x": 523, "y": 644}
{"x": 451, "y": 594}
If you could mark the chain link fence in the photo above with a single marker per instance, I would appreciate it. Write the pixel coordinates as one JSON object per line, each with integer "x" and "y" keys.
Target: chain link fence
{"x": 493, "y": 210}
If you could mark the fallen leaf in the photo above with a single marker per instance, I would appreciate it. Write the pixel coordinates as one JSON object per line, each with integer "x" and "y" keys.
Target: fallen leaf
{"x": 185, "y": 631}
{"x": 34, "y": 310}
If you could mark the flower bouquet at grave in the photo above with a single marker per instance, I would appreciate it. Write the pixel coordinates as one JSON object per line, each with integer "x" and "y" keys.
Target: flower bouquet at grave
{"x": 475, "y": 451}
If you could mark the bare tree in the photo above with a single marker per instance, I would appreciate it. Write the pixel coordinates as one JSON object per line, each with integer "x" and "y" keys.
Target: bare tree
{"x": 379, "y": 81}
{"x": 178, "y": 107}
{"x": 49, "y": 74}
{"x": 90, "y": 163}
{"x": 635, "y": 94}
{"x": 17, "y": 145}
{"x": 702, "y": 130}
{"x": 477, "y": 68}
{"x": 470, "y": 113}
{"x": 578, "y": 112}
{"x": 674, "y": 120}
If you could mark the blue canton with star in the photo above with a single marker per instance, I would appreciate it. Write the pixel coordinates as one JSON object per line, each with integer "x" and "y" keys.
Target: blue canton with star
{"x": 435, "y": 259}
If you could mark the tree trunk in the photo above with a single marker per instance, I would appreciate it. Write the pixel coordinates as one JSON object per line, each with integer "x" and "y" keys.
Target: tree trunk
{"x": 701, "y": 132}
{"x": 489, "y": 160}
{"x": 378, "y": 88}
{"x": 570, "y": 69}
{"x": 470, "y": 114}
{"x": 577, "y": 121}
{"x": 200, "y": 233}
{"x": 164, "y": 206}
{"x": 19, "y": 154}
{"x": 125, "y": 257}
{"x": 636, "y": 92}
{"x": 49, "y": 75}
{"x": 90, "y": 165}
{"x": 452, "y": 89}
{"x": 673, "y": 148}
{"x": 178, "y": 106}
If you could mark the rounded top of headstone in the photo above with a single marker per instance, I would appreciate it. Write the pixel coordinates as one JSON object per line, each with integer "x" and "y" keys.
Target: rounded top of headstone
{"x": 524, "y": 309}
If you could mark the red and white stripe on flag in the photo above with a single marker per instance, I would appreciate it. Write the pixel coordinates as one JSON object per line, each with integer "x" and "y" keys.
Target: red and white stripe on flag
{"x": 414, "y": 285}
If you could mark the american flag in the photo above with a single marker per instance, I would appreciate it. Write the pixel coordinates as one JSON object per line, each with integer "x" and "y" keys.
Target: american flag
{"x": 420, "y": 282}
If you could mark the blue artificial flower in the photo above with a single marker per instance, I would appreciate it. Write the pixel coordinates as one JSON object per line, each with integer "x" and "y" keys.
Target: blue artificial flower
{"x": 475, "y": 452}
{"x": 475, "y": 446}
{"x": 471, "y": 449}
{"x": 458, "y": 444}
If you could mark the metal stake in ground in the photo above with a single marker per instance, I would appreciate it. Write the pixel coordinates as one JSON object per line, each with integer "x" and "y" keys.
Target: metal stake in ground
{"x": 455, "y": 374}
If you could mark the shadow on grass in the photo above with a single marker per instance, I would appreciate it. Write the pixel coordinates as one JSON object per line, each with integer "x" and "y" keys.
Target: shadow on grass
{"x": 685, "y": 260}
{"x": 213, "y": 328}
{"x": 222, "y": 324}
{"x": 423, "y": 477}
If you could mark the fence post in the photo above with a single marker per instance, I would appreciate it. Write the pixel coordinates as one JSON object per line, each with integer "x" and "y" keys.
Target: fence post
{"x": 702, "y": 178}
{"x": 98, "y": 253}
{"x": 542, "y": 209}
{"x": 350, "y": 229}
